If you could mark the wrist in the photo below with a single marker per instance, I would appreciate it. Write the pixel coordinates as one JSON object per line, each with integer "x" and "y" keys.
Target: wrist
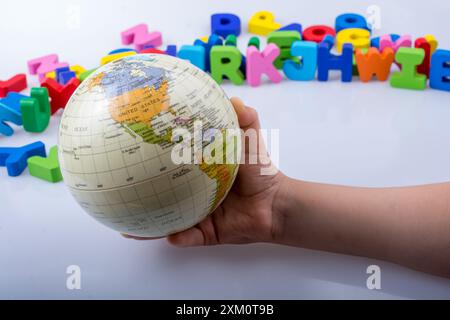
{"x": 281, "y": 206}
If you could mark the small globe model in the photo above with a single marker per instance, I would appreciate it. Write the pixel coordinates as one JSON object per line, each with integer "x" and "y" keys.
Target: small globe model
{"x": 116, "y": 145}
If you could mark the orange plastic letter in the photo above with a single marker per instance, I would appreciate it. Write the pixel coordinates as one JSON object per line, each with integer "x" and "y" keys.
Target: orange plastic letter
{"x": 374, "y": 63}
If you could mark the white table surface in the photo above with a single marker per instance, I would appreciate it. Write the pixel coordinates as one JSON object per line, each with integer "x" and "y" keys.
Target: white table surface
{"x": 354, "y": 134}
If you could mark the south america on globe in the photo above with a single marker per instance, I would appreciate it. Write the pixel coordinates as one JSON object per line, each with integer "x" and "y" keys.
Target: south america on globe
{"x": 117, "y": 141}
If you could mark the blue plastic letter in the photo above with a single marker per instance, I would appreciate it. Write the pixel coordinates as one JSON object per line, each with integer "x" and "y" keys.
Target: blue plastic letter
{"x": 306, "y": 69}
{"x": 440, "y": 70}
{"x": 10, "y": 111}
{"x": 15, "y": 159}
{"x": 327, "y": 61}
{"x": 224, "y": 24}
{"x": 195, "y": 54}
{"x": 351, "y": 21}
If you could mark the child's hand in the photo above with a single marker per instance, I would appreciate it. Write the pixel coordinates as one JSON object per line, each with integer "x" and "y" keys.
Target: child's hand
{"x": 247, "y": 214}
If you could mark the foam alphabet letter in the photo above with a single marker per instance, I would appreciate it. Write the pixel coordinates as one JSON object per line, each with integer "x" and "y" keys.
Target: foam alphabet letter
{"x": 375, "y": 42}
{"x": 350, "y": 21}
{"x": 112, "y": 57}
{"x": 254, "y": 41}
{"x": 213, "y": 40}
{"x": 374, "y": 63}
{"x": 59, "y": 71}
{"x": 121, "y": 50}
{"x": 292, "y": 27}
{"x": 262, "y": 23}
{"x": 408, "y": 78}
{"x": 171, "y": 50}
{"x": 10, "y": 112}
{"x": 204, "y": 39}
{"x": 47, "y": 169}
{"x": 224, "y": 24}
{"x": 140, "y": 37}
{"x": 63, "y": 75}
{"x": 15, "y": 84}
{"x": 387, "y": 41}
{"x": 226, "y": 61}
{"x": 36, "y": 110}
{"x": 231, "y": 40}
{"x": 259, "y": 63}
{"x": 283, "y": 40}
{"x": 15, "y": 159}
{"x": 327, "y": 61}
{"x": 329, "y": 39}
{"x": 43, "y": 65}
{"x": 60, "y": 94}
{"x": 359, "y": 38}
{"x": 440, "y": 70}
{"x": 355, "y": 65}
{"x": 195, "y": 54}
{"x": 318, "y": 33}
{"x": 433, "y": 42}
{"x": 306, "y": 69}
{"x": 424, "y": 68}
{"x": 152, "y": 50}
{"x": 79, "y": 70}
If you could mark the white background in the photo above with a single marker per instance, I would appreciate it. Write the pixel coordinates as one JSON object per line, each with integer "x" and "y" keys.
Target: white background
{"x": 354, "y": 134}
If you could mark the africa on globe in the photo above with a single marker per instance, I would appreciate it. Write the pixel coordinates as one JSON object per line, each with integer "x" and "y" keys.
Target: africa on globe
{"x": 122, "y": 136}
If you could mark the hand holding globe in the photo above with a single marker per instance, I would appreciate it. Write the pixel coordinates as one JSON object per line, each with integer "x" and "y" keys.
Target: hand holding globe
{"x": 250, "y": 212}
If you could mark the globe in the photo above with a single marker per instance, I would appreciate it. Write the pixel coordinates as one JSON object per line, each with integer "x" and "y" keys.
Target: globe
{"x": 116, "y": 145}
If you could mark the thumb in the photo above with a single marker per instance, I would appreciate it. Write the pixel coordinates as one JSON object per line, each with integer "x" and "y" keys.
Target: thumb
{"x": 192, "y": 237}
{"x": 248, "y": 117}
